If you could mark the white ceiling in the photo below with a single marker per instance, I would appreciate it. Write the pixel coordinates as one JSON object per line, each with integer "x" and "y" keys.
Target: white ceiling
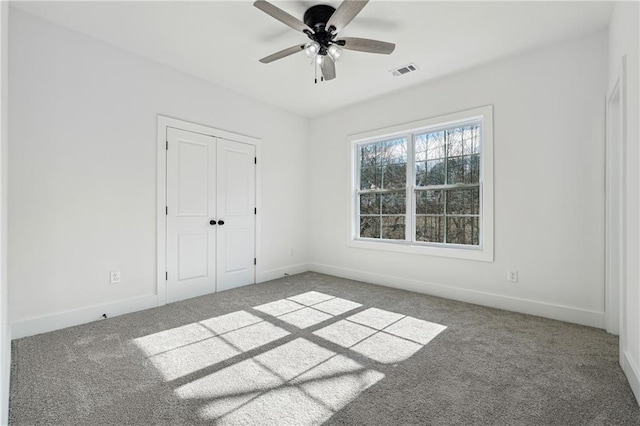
{"x": 221, "y": 41}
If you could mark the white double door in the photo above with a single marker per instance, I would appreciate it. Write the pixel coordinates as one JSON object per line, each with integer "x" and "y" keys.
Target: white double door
{"x": 210, "y": 214}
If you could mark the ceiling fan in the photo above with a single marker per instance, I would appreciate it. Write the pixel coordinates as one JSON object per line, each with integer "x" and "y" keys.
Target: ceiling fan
{"x": 322, "y": 24}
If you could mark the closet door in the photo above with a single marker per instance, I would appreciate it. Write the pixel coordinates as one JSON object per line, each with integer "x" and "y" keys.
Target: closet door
{"x": 210, "y": 214}
{"x": 191, "y": 206}
{"x": 236, "y": 214}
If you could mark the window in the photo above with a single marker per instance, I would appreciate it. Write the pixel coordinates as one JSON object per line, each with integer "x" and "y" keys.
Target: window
{"x": 426, "y": 187}
{"x": 447, "y": 185}
{"x": 383, "y": 181}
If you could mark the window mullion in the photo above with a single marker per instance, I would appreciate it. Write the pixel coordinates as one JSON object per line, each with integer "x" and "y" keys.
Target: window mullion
{"x": 446, "y": 182}
{"x": 380, "y": 209}
{"x": 410, "y": 227}
{"x": 358, "y": 167}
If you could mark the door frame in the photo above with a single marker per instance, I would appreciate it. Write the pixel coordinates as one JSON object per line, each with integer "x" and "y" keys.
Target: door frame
{"x": 616, "y": 170}
{"x": 614, "y": 238}
{"x": 165, "y": 122}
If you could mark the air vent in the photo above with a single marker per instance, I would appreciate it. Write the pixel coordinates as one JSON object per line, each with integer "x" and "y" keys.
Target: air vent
{"x": 404, "y": 70}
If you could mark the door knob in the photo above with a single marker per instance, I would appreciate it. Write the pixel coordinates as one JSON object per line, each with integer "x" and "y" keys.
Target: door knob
{"x": 212, "y": 222}
{"x": 221, "y": 222}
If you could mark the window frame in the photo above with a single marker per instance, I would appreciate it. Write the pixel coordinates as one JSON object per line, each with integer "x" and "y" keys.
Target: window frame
{"x": 482, "y": 252}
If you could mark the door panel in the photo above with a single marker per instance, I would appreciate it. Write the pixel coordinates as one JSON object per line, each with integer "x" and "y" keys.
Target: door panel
{"x": 238, "y": 196}
{"x": 191, "y": 203}
{"x": 192, "y": 256}
{"x": 237, "y": 247}
{"x": 193, "y": 172}
{"x": 236, "y": 204}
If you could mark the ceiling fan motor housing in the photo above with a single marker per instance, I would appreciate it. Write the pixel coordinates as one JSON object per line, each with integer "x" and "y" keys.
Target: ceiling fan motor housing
{"x": 316, "y": 17}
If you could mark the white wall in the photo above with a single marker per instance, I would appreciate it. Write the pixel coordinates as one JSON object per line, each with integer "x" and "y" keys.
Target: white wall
{"x": 624, "y": 34}
{"x": 549, "y": 190}
{"x": 5, "y": 331}
{"x": 83, "y": 170}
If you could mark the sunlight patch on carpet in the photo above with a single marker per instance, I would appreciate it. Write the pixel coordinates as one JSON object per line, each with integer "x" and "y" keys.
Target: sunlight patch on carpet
{"x": 336, "y": 306}
{"x": 345, "y": 333}
{"x": 298, "y": 381}
{"x": 310, "y": 298}
{"x": 284, "y": 406}
{"x": 168, "y": 340}
{"x": 375, "y": 318}
{"x": 338, "y": 381}
{"x": 305, "y": 317}
{"x": 184, "y": 350}
{"x": 383, "y": 336}
{"x": 191, "y": 358}
{"x": 279, "y": 307}
{"x": 254, "y": 336}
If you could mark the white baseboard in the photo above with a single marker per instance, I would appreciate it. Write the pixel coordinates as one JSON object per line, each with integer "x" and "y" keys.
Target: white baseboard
{"x": 273, "y": 274}
{"x": 632, "y": 372}
{"x": 57, "y": 321}
{"x": 33, "y": 326}
{"x": 525, "y": 306}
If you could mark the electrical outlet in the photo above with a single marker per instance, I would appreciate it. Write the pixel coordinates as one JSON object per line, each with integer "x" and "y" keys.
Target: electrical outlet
{"x": 512, "y": 276}
{"x": 115, "y": 277}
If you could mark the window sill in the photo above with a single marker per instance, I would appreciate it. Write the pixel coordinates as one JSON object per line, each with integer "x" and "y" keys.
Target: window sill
{"x": 484, "y": 254}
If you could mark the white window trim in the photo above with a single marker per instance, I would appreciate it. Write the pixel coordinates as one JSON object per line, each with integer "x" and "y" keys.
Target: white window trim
{"x": 484, "y": 252}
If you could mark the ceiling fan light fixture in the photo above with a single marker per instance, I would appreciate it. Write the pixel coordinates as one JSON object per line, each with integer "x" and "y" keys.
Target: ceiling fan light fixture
{"x": 319, "y": 59}
{"x": 335, "y": 52}
{"x": 311, "y": 49}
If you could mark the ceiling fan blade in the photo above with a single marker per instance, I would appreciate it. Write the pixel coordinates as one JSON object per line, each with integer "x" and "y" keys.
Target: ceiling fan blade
{"x": 328, "y": 68}
{"x": 281, "y": 15}
{"x": 345, "y": 13}
{"x": 282, "y": 54}
{"x": 367, "y": 45}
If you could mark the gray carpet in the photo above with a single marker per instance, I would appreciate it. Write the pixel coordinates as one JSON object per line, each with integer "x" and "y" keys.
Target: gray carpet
{"x": 314, "y": 349}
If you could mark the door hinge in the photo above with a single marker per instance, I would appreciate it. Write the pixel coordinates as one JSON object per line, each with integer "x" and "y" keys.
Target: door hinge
{"x": 167, "y": 145}
{"x": 166, "y": 210}
{"x": 166, "y": 276}
{"x": 255, "y": 160}
{"x": 254, "y": 261}
{"x": 255, "y": 210}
